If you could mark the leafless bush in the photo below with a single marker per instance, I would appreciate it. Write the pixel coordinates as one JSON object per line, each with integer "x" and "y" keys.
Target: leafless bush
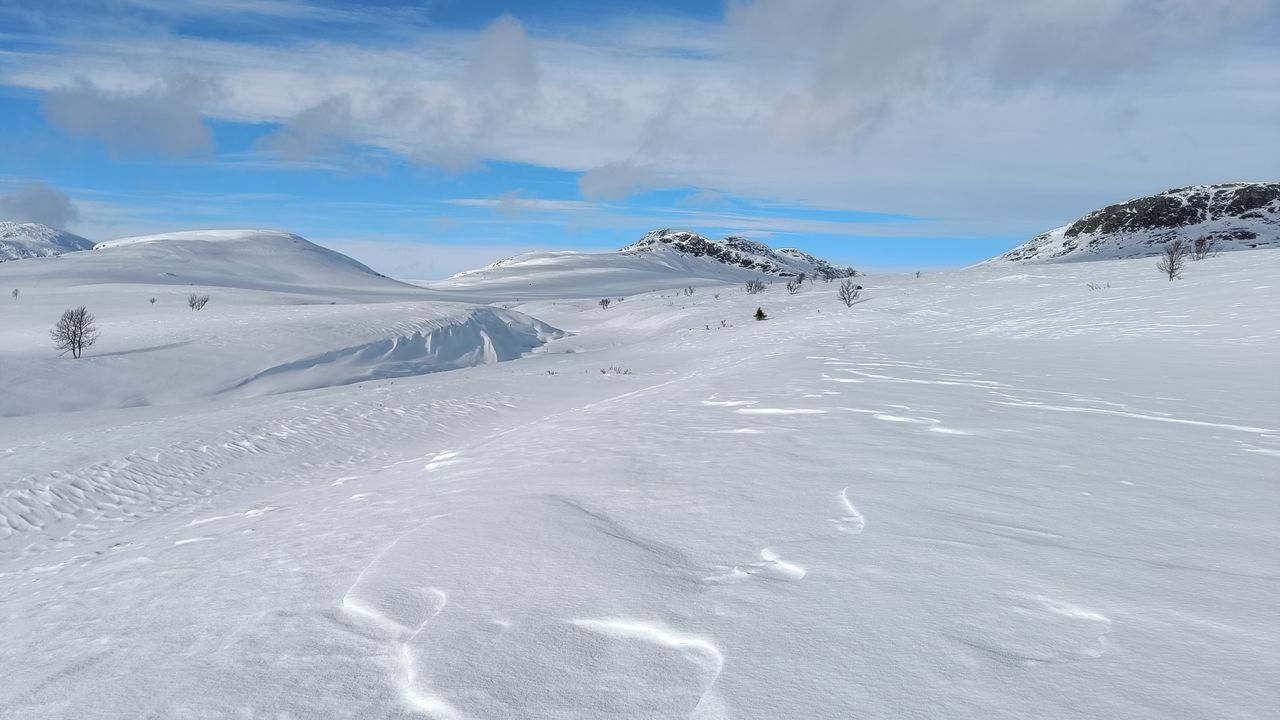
{"x": 604, "y": 303}
{"x": 74, "y": 332}
{"x": 760, "y": 314}
{"x": 15, "y": 293}
{"x": 689, "y": 290}
{"x": 197, "y": 302}
{"x": 1202, "y": 248}
{"x": 848, "y": 292}
{"x": 1099, "y": 286}
{"x": 152, "y": 301}
{"x": 615, "y": 370}
{"x": 793, "y": 286}
{"x": 755, "y": 286}
{"x": 1172, "y": 260}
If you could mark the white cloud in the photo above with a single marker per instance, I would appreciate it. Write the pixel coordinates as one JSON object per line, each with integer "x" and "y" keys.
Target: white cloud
{"x": 989, "y": 116}
{"x": 617, "y": 180}
{"x": 504, "y": 55}
{"x": 39, "y": 203}
{"x": 164, "y": 116}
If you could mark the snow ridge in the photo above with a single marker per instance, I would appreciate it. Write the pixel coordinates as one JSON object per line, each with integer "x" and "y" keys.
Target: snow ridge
{"x": 1233, "y": 216}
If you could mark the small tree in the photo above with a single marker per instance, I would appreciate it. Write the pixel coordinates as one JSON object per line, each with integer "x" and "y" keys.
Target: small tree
{"x": 74, "y": 332}
{"x": 1200, "y": 249}
{"x": 197, "y": 302}
{"x": 793, "y": 286}
{"x": 15, "y": 293}
{"x": 760, "y": 314}
{"x": 848, "y": 292}
{"x": 755, "y": 286}
{"x": 604, "y": 304}
{"x": 152, "y": 301}
{"x": 1172, "y": 260}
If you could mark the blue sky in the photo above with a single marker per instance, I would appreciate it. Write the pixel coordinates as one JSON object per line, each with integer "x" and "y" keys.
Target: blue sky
{"x": 428, "y": 137}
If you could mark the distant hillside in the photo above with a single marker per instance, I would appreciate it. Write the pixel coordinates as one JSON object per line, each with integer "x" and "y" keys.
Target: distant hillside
{"x": 1235, "y": 216}
{"x": 28, "y": 240}
{"x": 662, "y": 259}
{"x": 251, "y": 259}
{"x": 740, "y": 252}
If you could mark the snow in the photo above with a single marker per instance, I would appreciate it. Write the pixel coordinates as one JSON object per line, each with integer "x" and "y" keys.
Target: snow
{"x": 26, "y": 240}
{"x": 1216, "y": 214}
{"x": 661, "y": 260}
{"x": 983, "y": 493}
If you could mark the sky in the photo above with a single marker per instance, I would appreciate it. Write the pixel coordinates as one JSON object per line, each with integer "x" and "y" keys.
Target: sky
{"x": 432, "y": 136}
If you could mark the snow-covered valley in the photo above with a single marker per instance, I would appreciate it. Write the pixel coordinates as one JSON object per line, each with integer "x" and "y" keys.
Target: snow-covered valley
{"x": 982, "y": 493}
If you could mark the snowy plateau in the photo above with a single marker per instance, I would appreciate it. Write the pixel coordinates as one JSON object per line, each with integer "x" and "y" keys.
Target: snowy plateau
{"x": 1011, "y": 491}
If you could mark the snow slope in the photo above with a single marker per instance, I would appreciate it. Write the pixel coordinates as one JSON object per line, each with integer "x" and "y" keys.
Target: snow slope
{"x": 28, "y": 240}
{"x": 663, "y": 259}
{"x": 1234, "y": 216}
{"x": 283, "y": 315}
{"x": 265, "y": 260}
{"x": 987, "y": 493}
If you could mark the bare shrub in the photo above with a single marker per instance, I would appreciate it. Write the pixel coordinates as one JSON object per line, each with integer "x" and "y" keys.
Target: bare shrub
{"x": 760, "y": 314}
{"x": 848, "y": 292}
{"x": 1202, "y": 248}
{"x": 152, "y": 301}
{"x": 615, "y": 370}
{"x": 15, "y": 293}
{"x": 197, "y": 302}
{"x": 1173, "y": 259}
{"x": 74, "y": 332}
{"x": 755, "y": 286}
{"x": 793, "y": 286}
{"x": 604, "y": 303}
{"x": 1099, "y": 286}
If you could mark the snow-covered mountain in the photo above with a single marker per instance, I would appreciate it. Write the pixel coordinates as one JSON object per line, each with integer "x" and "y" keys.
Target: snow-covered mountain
{"x": 1234, "y": 216}
{"x": 739, "y": 252}
{"x": 661, "y": 259}
{"x": 28, "y": 240}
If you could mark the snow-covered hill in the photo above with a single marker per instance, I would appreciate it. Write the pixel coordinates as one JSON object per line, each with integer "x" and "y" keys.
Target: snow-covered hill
{"x": 1235, "y": 216}
{"x": 663, "y": 259}
{"x": 250, "y": 259}
{"x": 30, "y": 240}
{"x": 284, "y": 315}
{"x": 739, "y": 252}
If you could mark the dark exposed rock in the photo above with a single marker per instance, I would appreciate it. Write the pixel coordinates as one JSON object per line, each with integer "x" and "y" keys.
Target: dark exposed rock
{"x": 1234, "y": 216}
{"x": 741, "y": 252}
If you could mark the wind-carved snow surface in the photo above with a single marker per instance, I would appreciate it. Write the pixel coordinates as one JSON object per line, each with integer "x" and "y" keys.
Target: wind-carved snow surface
{"x": 984, "y": 493}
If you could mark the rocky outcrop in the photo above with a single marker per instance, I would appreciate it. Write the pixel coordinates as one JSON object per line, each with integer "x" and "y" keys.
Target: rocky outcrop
{"x": 740, "y": 252}
{"x": 1234, "y": 216}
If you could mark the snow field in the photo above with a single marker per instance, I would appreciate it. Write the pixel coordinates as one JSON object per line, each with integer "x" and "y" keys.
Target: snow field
{"x": 989, "y": 493}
